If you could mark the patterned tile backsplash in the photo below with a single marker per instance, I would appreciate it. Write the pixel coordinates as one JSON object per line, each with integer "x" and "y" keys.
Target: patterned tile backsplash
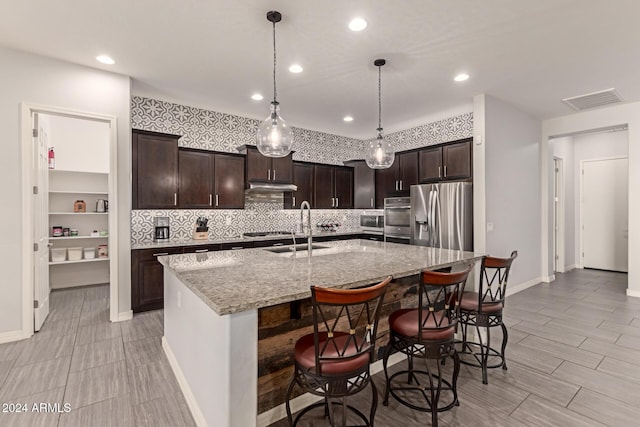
{"x": 211, "y": 130}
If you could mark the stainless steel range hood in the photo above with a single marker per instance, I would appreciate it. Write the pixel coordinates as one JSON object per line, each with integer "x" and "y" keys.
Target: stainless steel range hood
{"x": 269, "y": 187}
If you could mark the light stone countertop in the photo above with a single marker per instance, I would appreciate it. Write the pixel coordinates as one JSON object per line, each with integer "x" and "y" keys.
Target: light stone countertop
{"x": 150, "y": 244}
{"x": 240, "y": 280}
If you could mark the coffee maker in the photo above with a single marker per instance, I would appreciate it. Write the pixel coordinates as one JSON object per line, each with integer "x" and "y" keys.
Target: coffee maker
{"x": 161, "y": 229}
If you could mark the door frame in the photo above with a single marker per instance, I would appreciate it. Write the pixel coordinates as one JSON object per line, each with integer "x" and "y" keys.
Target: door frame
{"x": 28, "y": 262}
{"x": 581, "y": 172}
{"x": 559, "y": 222}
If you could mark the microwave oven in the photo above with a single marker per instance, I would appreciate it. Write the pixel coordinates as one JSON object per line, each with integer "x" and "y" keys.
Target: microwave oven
{"x": 372, "y": 221}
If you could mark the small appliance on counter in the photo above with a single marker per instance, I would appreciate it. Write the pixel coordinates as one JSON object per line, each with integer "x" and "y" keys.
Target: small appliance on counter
{"x": 202, "y": 231}
{"x": 161, "y": 229}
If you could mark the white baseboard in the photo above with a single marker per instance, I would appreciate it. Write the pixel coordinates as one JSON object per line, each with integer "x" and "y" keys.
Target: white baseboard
{"x": 571, "y": 267}
{"x": 522, "y": 286}
{"x": 198, "y": 417}
{"x": 279, "y": 412}
{"x": 547, "y": 279}
{"x": 125, "y": 315}
{"x": 630, "y": 293}
{"x": 13, "y": 336}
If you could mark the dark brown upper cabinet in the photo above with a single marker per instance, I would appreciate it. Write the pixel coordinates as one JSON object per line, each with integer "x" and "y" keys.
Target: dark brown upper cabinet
{"x": 155, "y": 170}
{"x": 333, "y": 187}
{"x": 303, "y": 178}
{"x": 364, "y": 184}
{"x": 446, "y": 162}
{"x": 210, "y": 180}
{"x": 267, "y": 169}
{"x": 397, "y": 180}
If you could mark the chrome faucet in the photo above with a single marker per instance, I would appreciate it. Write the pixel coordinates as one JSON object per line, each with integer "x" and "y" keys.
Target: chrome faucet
{"x": 293, "y": 237}
{"x": 308, "y": 233}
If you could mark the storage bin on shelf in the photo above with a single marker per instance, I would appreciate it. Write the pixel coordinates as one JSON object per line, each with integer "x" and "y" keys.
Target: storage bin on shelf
{"x": 58, "y": 255}
{"x": 74, "y": 254}
{"x": 89, "y": 253}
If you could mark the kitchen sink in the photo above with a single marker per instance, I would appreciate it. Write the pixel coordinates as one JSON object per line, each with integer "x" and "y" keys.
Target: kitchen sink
{"x": 289, "y": 249}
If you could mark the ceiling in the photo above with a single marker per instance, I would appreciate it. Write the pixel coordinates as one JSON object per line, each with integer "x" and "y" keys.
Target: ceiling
{"x": 216, "y": 54}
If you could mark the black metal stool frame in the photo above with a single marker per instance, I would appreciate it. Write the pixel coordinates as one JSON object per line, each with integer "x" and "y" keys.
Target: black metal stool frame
{"x": 438, "y": 310}
{"x": 361, "y": 307}
{"x": 487, "y": 314}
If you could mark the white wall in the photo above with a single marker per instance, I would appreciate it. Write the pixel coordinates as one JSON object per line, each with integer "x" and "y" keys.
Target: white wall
{"x": 512, "y": 185}
{"x": 79, "y": 145}
{"x": 39, "y": 80}
{"x": 597, "y": 119}
{"x": 564, "y": 148}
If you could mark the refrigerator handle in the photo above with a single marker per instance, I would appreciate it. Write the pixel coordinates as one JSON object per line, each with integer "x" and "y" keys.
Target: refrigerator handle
{"x": 437, "y": 209}
{"x": 459, "y": 211}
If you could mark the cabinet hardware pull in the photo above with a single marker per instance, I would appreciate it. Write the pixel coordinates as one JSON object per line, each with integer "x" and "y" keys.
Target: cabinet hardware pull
{"x": 372, "y": 202}
{"x": 199, "y": 251}
{"x": 294, "y": 201}
{"x": 236, "y": 248}
{"x": 396, "y": 185}
{"x": 333, "y": 202}
{"x": 175, "y": 199}
{"x": 401, "y": 185}
{"x": 445, "y": 171}
{"x": 269, "y": 174}
{"x": 217, "y": 200}
{"x": 439, "y": 172}
{"x": 161, "y": 254}
{"x": 278, "y": 244}
{"x": 337, "y": 202}
{"x": 210, "y": 201}
{"x": 274, "y": 175}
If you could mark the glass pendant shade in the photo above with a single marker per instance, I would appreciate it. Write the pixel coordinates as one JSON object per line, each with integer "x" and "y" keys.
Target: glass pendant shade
{"x": 380, "y": 155}
{"x": 274, "y": 137}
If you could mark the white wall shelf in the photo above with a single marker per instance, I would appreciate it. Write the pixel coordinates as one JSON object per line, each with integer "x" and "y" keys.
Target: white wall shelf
{"x": 102, "y": 193}
{"x": 78, "y": 261}
{"x": 78, "y": 237}
{"x": 78, "y": 213}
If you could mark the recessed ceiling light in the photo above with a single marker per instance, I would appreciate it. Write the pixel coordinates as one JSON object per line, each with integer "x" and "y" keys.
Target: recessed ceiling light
{"x": 105, "y": 59}
{"x": 461, "y": 77}
{"x": 295, "y": 68}
{"x": 348, "y": 119}
{"x": 257, "y": 97}
{"x": 357, "y": 24}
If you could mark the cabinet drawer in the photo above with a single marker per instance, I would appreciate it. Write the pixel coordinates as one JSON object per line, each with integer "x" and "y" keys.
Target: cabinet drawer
{"x": 236, "y": 245}
{"x": 201, "y": 248}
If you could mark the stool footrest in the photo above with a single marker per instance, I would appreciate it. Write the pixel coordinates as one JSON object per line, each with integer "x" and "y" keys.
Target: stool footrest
{"x": 470, "y": 350}
{"x": 421, "y": 390}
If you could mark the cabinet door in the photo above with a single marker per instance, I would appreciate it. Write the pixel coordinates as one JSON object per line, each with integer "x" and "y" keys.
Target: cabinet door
{"x": 282, "y": 169}
{"x": 303, "y": 178}
{"x": 408, "y": 164}
{"x": 430, "y": 160}
{"x": 457, "y": 160}
{"x": 228, "y": 181}
{"x": 155, "y": 171}
{"x": 343, "y": 187}
{"x": 323, "y": 197}
{"x": 258, "y": 166}
{"x": 386, "y": 183}
{"x": 364, "y": 185}
{"x": 195, "y": 180}
{"x": 147, "y": 278}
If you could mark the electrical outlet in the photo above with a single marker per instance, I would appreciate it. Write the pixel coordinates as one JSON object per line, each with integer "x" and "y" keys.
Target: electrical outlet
{"x": 489, "y": 226}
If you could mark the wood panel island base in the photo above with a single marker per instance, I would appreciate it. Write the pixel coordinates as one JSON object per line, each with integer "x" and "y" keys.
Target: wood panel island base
{"x": 231, "y": 318}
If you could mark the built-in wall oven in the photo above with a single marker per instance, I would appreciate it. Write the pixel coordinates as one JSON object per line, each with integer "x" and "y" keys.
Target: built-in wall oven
{"x": 372, "y": 221}
{"x": 397, "y": 219}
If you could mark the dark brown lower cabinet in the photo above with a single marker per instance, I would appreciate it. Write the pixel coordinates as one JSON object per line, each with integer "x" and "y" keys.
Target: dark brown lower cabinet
{"x": 147, "y": 278}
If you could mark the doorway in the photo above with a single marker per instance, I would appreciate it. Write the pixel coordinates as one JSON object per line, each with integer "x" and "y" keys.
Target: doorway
{"x": 71, "y": 239}
{"x": 605, "y": 213}
{"x": 558, "y": 216}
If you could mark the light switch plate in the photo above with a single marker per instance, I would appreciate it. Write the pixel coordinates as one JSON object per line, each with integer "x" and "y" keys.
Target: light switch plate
{"x": 489, "y": 226}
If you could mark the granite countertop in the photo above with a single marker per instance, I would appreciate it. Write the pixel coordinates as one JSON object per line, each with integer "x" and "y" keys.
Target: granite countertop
{"x": 149, "y": 244}
{"x": 235, "y": 281}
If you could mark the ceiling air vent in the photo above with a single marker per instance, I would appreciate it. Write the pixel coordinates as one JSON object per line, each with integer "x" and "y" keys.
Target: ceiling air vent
{"x": 593, "y": 100}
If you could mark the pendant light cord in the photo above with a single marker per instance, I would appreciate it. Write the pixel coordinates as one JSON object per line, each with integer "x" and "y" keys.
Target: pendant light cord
{"x": 379, "y": 97}
{"x": 275, "y": 92}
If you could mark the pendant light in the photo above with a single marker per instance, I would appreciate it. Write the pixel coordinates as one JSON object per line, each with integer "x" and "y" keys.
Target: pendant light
{"x": 380, "y": 155}
{"x": 274, "y": 137}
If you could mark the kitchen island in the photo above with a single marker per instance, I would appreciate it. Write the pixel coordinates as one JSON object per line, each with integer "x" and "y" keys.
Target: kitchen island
{"x": 212, "y": 304}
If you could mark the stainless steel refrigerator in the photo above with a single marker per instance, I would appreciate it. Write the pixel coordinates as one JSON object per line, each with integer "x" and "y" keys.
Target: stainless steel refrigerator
{"x": 442, "y": 215}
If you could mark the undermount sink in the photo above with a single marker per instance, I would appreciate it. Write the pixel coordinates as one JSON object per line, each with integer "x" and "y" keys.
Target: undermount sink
{"x": 289, "y": 249}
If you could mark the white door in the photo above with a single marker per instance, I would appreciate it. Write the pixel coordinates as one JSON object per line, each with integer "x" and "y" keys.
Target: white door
{"x": 41, "y": 289}
{"x": 605, "y": 214}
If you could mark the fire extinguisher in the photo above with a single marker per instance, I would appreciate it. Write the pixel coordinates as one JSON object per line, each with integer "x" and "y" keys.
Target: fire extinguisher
{"x": 52, "y": 158}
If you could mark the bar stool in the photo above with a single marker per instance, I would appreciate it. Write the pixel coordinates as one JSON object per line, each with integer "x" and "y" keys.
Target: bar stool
{"x": 426, "y": 333}
{"x": 483, "y": 309}
{"x": 333, "y": 361}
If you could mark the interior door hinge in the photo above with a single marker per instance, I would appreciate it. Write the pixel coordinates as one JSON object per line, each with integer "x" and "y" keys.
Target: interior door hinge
{"x": 35, "y": 189}
{"x": 35, "y": 133}
{"x": 35, "y": 247}
{"x": 36, "y": 304}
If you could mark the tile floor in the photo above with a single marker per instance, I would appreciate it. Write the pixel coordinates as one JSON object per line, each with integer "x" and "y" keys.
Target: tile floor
{"x": 573, "y": 357}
